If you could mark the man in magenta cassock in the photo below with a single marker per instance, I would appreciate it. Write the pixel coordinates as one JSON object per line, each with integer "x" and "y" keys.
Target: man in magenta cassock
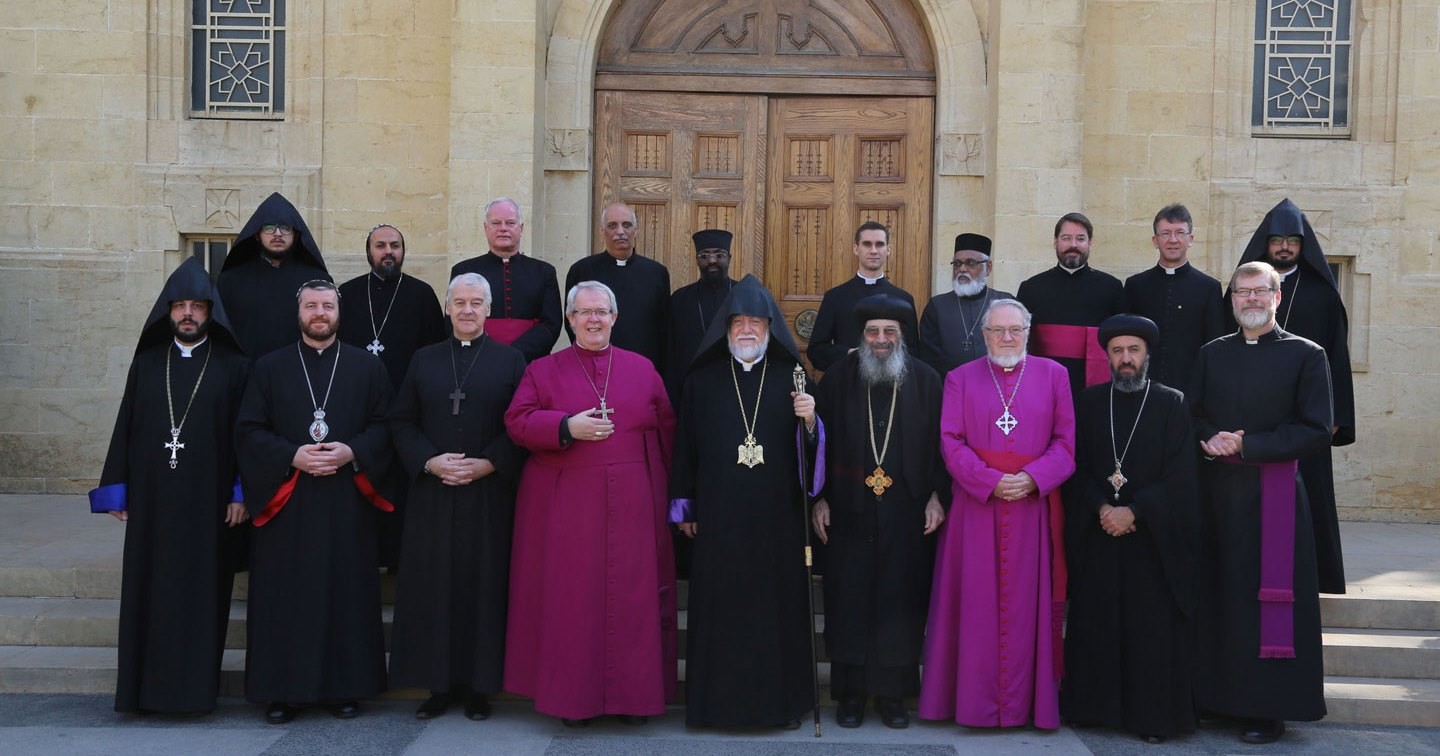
{"x": 592, "y": 621}
{"x": 1007, "y": 433}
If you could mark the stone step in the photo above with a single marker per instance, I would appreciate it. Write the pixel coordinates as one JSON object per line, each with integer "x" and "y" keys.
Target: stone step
{"x": 1383, "y": 701}
{"x": 1382, "y": 608}
{"x": 1405, "y": 654}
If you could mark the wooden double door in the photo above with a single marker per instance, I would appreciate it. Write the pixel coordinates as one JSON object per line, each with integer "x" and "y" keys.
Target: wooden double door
{"x": 791, "y": 177}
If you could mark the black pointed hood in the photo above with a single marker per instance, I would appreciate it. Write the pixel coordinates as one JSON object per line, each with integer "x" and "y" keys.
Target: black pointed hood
{"x": 275, "y": 209}
{"x": 189, "y": 281}
{"x": 1286, "y": 219}
{"x": 747, "y": 297}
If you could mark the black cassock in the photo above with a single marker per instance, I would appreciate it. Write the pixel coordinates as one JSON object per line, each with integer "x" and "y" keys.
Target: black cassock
{"x": 260, "y": 298}
{"x": 836, "y": 332}
{"x": 523, "y": 289}
{"x": 414, "y": 321}
{"x": 692, "y": 308}
{"x": 642, "y": 289}
{"x": 450, "y": 607}
{"x": 1129, "y": 643}
{"x": 747, "y": 660}
{"x": 1188, "y": 307}
{"x": 1084, "y": 298}
{"x": 878, "y": 559}
{"x": 179, "y": 554}
{"x": 950, "y": 333}
{"x": 1278, "y": 391}
{"x": 313, "y": 622}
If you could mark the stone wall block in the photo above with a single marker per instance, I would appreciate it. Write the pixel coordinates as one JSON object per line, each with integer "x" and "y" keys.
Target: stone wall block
{"x": 25, "y": 182}
{"x": 475, "y": 44}
{"x": 107, "y": 52}
{"x": 57, "y": 14}
{"x": 353, "y": 189}
{"x": 65, "y": 411}
{"x": 252, "y": 144}
{"x": 60, "y": 227}
{"x": 88, "y": 140}
{"x": 14, "y": 316}
{"x": 50, "y": 95}
{"x": 403, "y": 102}
{"x": 1179, "y": 157}
{"x": 1295, "y": 161}
{"x": 94, "y": 183}
{"x": 17, "y": 51}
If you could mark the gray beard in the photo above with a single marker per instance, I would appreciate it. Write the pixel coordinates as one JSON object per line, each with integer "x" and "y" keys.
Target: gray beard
{"x": 975, "y": 286}
{"x": 1008, "y": 361}
{"x": 750, "y": 354}
{"x": 1251, "y": 321}
{"x": 875, "y": 370}
{"x": 1131, "y": 385}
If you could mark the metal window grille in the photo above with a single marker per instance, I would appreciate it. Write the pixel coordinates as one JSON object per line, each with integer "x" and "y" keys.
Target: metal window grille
{"x": 237, "y": 58}
{"x": 1302, "y": 67}
{"x": 211, "y": 250}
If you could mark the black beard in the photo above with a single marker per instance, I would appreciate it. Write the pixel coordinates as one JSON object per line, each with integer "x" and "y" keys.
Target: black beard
{"x": 200, "y": 331}
{"x": 387, "y": 269}
{"x": 1284, "y": 266}
{"x": 1135, "y": 383}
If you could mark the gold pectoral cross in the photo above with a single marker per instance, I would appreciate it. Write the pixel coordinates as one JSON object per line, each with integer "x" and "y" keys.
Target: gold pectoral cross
{"x": 1117, "y": 481}
{"x": 879, "y": 481}
{"x": 751, "y": 453}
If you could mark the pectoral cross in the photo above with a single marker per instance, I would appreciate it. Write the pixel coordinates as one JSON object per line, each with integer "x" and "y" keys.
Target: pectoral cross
{"x": 1117, "y": 480}
{"x": 604, "y": 412}
{"x": 879, "y": 481}
{"x": 455, "y": 397}
{"x": 1006, "y": 422}
{"x": 375, "y": 348}
{"x": 174, "y": 446}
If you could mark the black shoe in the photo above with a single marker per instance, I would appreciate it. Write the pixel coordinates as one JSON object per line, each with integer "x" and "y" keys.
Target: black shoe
{"x": 279, "y": 713}
{"x": 477, "y": 707}
{"x": 634, "y": 720}
{"x": 793, "y": 724}
{"x": 433, "y": 706}
{"x": 345, "y": 710}
{"x": 577, "y": 722}
{"x": 1153, "y": 739}
{"x": 892, "y": 712}
{"x": 1261, "y": 731}
{"x": 851, "y": 712}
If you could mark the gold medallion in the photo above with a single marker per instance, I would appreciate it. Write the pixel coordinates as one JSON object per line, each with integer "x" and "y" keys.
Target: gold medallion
{"x": 878, "y": 481}
{"x": 751, "y": 453}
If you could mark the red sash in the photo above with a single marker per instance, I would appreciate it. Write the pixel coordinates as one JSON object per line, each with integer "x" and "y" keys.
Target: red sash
{"x": 1010, "y": 463}
{"x": 287, "y": 489}
{"x": 507, "y": 330}
{"x": 1074, "y": 342}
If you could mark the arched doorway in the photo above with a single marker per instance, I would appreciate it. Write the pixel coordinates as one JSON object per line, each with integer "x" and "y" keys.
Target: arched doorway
{"x": 787, "y": 122}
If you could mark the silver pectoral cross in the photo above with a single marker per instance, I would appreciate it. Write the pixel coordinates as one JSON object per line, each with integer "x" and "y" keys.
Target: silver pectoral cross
{"x": 1117, "y": 480}
{"x": 1006, "y": 422}
{"x": 375, "y": 347}
{"x": 604, "y": 412}
{"x": 174, "y": 446}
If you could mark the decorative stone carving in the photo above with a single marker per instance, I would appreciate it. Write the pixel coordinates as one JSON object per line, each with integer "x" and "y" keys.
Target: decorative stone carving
{"x": 567, "y": 150}
{"x": 962, "y": 155}
{"x": 222, "y": 208}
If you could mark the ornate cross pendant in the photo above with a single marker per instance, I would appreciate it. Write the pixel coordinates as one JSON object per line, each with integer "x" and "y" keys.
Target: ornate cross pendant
{"x": 319, "y": 429}
{"x": 751, "y": 453}
{"x": 878, "y": 480}
{"x": 1117, "y": 480}
{"x": 375, "y": 347}
{"x": 174, "y": 446}
{"x": 1006, "y": 422}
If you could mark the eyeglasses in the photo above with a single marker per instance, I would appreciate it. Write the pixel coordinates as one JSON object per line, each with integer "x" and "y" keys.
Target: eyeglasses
{"x": 280, "y": 229}
{"x": 1259, "y": 291}
{"x": 587, "y": 314}
{"x": 892, "y": 332}
{"x": 712, "y": 256}
{"x": 972, "y": 264}
{"x": 1169, "y": 235}
{"x": 1289, "y": 241}
{"x": 1014, "y": 332}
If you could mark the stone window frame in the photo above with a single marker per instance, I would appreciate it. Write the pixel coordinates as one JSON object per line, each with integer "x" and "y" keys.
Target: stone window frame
{"x": 1327, "y": 52}
{"x": 213, "y": 26}
{"x": 210, "y": 248}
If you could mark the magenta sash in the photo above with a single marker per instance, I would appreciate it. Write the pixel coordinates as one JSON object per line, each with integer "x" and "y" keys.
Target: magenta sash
{"x": 1074, "y": 342}
{"x": 1277, "y": 556}
{"x": 507, "y": 330}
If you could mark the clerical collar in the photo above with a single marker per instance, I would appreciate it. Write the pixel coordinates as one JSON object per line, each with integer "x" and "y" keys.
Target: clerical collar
{"x": 1270, "y": 335}
{"x": 467, "y": 343}
{"x": 185, "y": 349}
{"x": 620, "y": 263}
{"x": 1073, "y": 271}
{"x": 1284, "y": 274}
{"x": 748, "y": 366}
{"x": 503, "y": 258}
{"x": 1172, "y": 271}
{"x": 868, "y": 280}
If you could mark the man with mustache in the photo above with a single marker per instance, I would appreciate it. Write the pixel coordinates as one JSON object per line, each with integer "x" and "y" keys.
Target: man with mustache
{"x": 693, "y": 307}
{"x": 836, "y": 333}
{"x": 272, "y": 256}
{"x": 882, "y": 500}
{"x": 526, "y": 310}
{"x": 641, "y": 286}
{"x": 1260, "y": 402}
{"x": 1068, "y": 302}
{"x": 950, "y": 328}
{"x": 1132, "y": 540}
{"x": 1311, "y": 307}
{"x": 1183, "y": 302}
{"x": 170, "y": 477}
{"x": 311, "y": 439}
{"x": 391, "y": 315}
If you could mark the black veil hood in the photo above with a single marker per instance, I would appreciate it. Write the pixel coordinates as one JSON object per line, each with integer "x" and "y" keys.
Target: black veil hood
{"x": 1286, "y": 219}
{"x": 189, "y": 281}
{"x": 275, "y": 209}
{"x": 747, "y": 297}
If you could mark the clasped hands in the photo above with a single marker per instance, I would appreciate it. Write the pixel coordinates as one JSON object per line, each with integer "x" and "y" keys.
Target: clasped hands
{"x": 1224, "y": 444}
{"x": 455, "y": 469}
{"x": 1015, "y": 486}
{"x": 322, "y": 459}
{"x": 1117, "y": 521}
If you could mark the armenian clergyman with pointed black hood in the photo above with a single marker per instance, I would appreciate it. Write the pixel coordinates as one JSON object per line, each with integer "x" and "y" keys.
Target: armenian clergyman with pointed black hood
{"x": 743, "y": 436}
{"x": 170, "y": 476}
{"x": 1310, "y": 306}
{"x": 272, "y": 256}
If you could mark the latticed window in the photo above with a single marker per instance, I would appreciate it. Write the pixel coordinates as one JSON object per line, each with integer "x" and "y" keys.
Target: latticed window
{"x": 211, "y": 250}
{"x": 1302, "y": 68}
{"x": 237, "y": 58}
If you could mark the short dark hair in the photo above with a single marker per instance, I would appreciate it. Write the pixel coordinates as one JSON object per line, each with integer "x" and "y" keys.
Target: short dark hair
{"x": 318, "y": 284}
{"x": 872, "y": 226}
{"x": 1175, "y": 213}
{"x": 1075, "y": 218}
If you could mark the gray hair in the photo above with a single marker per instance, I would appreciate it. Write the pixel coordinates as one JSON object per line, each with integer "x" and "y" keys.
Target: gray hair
{"x": 1257, "y": 268}
{"x": 589, "y": 286}
{"x": 468, "y": 279}
{"x": 1015, "y": 303}
{"x": 519, "y": 214}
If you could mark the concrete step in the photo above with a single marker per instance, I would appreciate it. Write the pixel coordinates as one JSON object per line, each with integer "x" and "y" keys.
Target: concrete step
{"x": 1383, "y": 701}
{"x": 1405, "y": 654}
{"x": 1382, "y": 608}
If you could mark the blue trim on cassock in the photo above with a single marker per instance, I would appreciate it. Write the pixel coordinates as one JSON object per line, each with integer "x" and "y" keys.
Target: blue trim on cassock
{"x": 682, "y": 510}
{"x": 235, "y": 493}
{"x": 109, "y": 498}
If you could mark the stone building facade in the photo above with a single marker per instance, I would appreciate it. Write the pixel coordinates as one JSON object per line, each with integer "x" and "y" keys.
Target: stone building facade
{"x": 416, "y": 114}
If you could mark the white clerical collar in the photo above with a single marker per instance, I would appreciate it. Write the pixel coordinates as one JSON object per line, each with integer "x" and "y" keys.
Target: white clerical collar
{"x": 748, "y": 366}
{"x": 619, "y": 263}
{"x": 1072, "y": 271}
{"x": 1171, "y": 271}
{"x": 185, "y": 349}
{"x": 1286, "y": 274}
{"x": 868, "y": 280}
{"x": 464, "y": 343}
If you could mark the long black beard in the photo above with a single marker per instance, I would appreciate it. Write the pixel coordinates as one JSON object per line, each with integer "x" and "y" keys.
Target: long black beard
{"x": 876, "y": 370}
{"x": 200, "y": 332}
{"x": 387, "y": 270}
{"x": 1132, "y": 385}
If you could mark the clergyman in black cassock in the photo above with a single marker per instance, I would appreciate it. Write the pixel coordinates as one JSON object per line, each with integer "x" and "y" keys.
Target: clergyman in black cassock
{"x": 263, "y": 271}
{"x": 313, "y": 622}
{"x": 835, "y": 332}
{"x": 526, "y": 310}
{"x": 693, "y": 307}
{"x": 1067, "y": 303}
{"x": 1259, "y": 616}
{"x": 174, "y": 491}
{"x": 1311, "y": 307}
{"x": 1132, "y": 543}
{"x": 950, "y": 333}
{"x": 448, "y": 425}
{"x": 390, "y": 315}
{"x": 641, "y": 286}
{"x": 884, "y": 495}
{"x": 1184, "y": 303}
{"x": 748, "y": 644}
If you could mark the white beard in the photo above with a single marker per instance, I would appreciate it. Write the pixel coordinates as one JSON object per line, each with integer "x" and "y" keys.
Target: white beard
{"x": 876, "y": 370}
{"x": 749, "y": 353}
{"x": 975, "y": 286}
{"x": 1252, "y": 320}
{"x": 1008, "y": 361}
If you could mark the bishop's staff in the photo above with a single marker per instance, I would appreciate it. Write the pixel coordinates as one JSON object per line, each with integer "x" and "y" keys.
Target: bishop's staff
{"x": 798, "y": 376}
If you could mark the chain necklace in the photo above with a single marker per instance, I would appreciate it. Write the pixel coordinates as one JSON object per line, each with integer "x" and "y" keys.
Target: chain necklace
{"x": 459, "y": 393}
{"x": 970, "y": 328}
{"x": 750, "y": 453}
{"x": 604, "y": 412}
{"x": 700, "y": 311}
{"x": 878, "y": 480}
{"x": 375, "y": 346}
{"x": 1118, "y": 479}
{"x": 175, "y": 445}
{"x": 319, "y": 429}
{"x": 1007, "y": 422}
{"x": 1285, "y": 324}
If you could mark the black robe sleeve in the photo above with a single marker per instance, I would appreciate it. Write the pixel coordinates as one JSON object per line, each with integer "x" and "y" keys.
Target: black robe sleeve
{"x": 932, "y": 342}
{"x": 1308, "y": 431}
{"x": 823, "y": 349}
{"x": 540, "y": 339}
